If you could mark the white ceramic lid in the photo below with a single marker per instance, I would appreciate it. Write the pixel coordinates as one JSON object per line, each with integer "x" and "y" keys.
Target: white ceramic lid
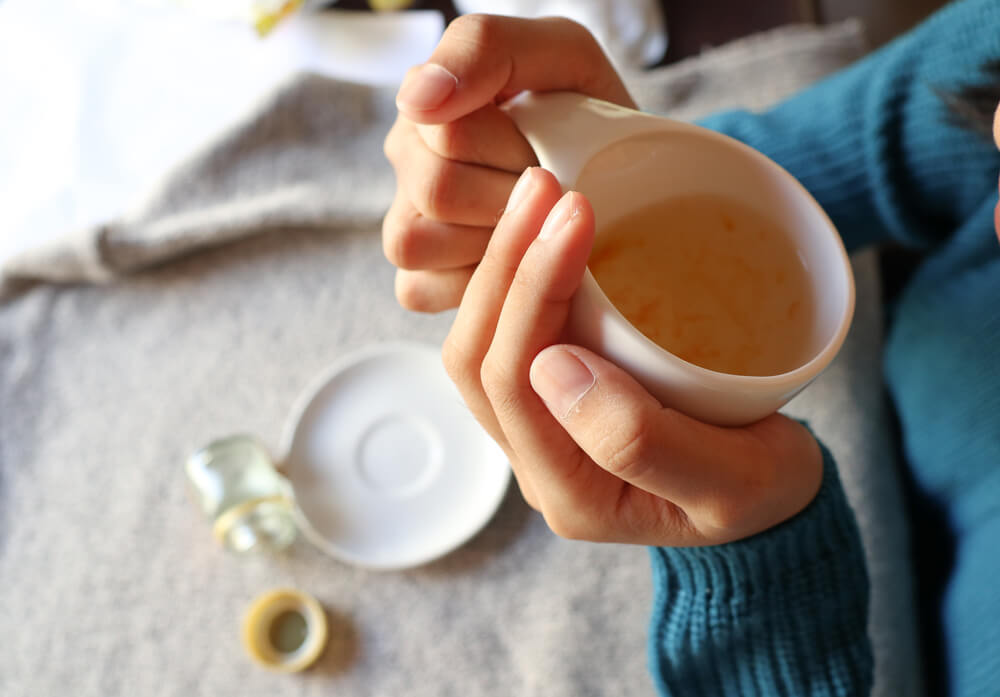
{"x": 389, "y": 467}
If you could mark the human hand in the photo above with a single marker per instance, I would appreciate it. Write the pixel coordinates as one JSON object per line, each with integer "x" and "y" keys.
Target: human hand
{"x": 457, "y": 155}
{"x": 591, "y": 449}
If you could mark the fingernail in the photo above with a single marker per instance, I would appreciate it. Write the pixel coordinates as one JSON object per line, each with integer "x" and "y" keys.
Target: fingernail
{"x": 560, "y": 216}
{"x": 521, "y": 189}
{"x": 426, "y": 88}
{"x": 560, "y": 379}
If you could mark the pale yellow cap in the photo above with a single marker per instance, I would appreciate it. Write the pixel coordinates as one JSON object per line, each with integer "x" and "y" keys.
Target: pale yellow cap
{"x": 285, "y": 630}
{"x": 389, "y": 5}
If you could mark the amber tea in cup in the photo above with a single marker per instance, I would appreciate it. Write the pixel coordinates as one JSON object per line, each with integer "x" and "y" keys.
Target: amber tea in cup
{"x": 712, "y": 281}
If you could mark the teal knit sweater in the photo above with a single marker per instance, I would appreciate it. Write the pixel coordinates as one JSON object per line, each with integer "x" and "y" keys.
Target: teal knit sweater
{"x": 784, "y": 612}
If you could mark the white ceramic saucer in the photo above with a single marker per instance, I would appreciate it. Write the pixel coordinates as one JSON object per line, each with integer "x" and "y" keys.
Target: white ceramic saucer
{"x": 389, "y": 468}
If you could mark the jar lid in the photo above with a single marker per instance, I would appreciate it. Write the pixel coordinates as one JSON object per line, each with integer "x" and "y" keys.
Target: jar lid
{"x": 388, "y": 466}
{"x": 285, "y": 630}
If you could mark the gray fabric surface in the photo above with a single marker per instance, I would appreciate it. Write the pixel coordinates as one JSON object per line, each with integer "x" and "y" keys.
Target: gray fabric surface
{"x": 110, "y": 582}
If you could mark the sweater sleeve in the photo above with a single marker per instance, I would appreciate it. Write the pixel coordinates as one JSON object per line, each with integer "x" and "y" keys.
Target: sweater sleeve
{"x": 785, "y": 611}
{"x": 780, "y": 613}
{"x": 874, "y": 143}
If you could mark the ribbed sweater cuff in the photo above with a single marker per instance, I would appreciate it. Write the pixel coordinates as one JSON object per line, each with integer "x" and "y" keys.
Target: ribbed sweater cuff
{"x": 781, "y": 613}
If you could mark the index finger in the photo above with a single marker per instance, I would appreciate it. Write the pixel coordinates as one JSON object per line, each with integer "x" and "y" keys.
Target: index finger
{"x": 484, "y": 59}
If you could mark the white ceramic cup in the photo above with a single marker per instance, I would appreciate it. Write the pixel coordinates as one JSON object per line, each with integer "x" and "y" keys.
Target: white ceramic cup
{"x": 624, "y": 160}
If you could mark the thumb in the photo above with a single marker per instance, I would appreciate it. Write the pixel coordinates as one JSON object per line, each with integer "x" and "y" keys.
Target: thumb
{"x": 486, "y": 59}
{"x": 726, "y": 479}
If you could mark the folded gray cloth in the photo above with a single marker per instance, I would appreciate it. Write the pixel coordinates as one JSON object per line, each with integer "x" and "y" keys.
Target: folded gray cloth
{"x": 111, "y": 581}
{"x": 308, "y": 156}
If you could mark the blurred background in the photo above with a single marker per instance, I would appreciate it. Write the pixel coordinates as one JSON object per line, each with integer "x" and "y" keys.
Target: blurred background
{"x": 696, "y": 24}
{"x": 103, "y": 96}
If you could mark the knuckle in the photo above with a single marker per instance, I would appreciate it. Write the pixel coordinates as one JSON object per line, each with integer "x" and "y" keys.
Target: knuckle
{"x": 587, "y": 41}
{"x": 450, "y": 140}
{"x": 724, "y": 514}
{"x": 594, "y": 71}
{"x": 481, "y": 30}
{"x": 401, "y": 241}
{"x": 627, "y": 449}
{"x": 572, "y": 525}
{"x": 391, "y": 225}
{"x": 581, "y": 37}
{"x": 494, "y": 378}
{"x": 526, "y": 282}
{"x": 459, "y": 363}
{"x": 567, "y": 527}
{"x": 411, "y": 292}
{"x": 441, "y": 189}
{"x": 389, "y": 242}
{"x": 666, "y": 522}
{"x": 571, "y": 26}
{"x": 529, "y": 281}
{"x": 500, "y": 386}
